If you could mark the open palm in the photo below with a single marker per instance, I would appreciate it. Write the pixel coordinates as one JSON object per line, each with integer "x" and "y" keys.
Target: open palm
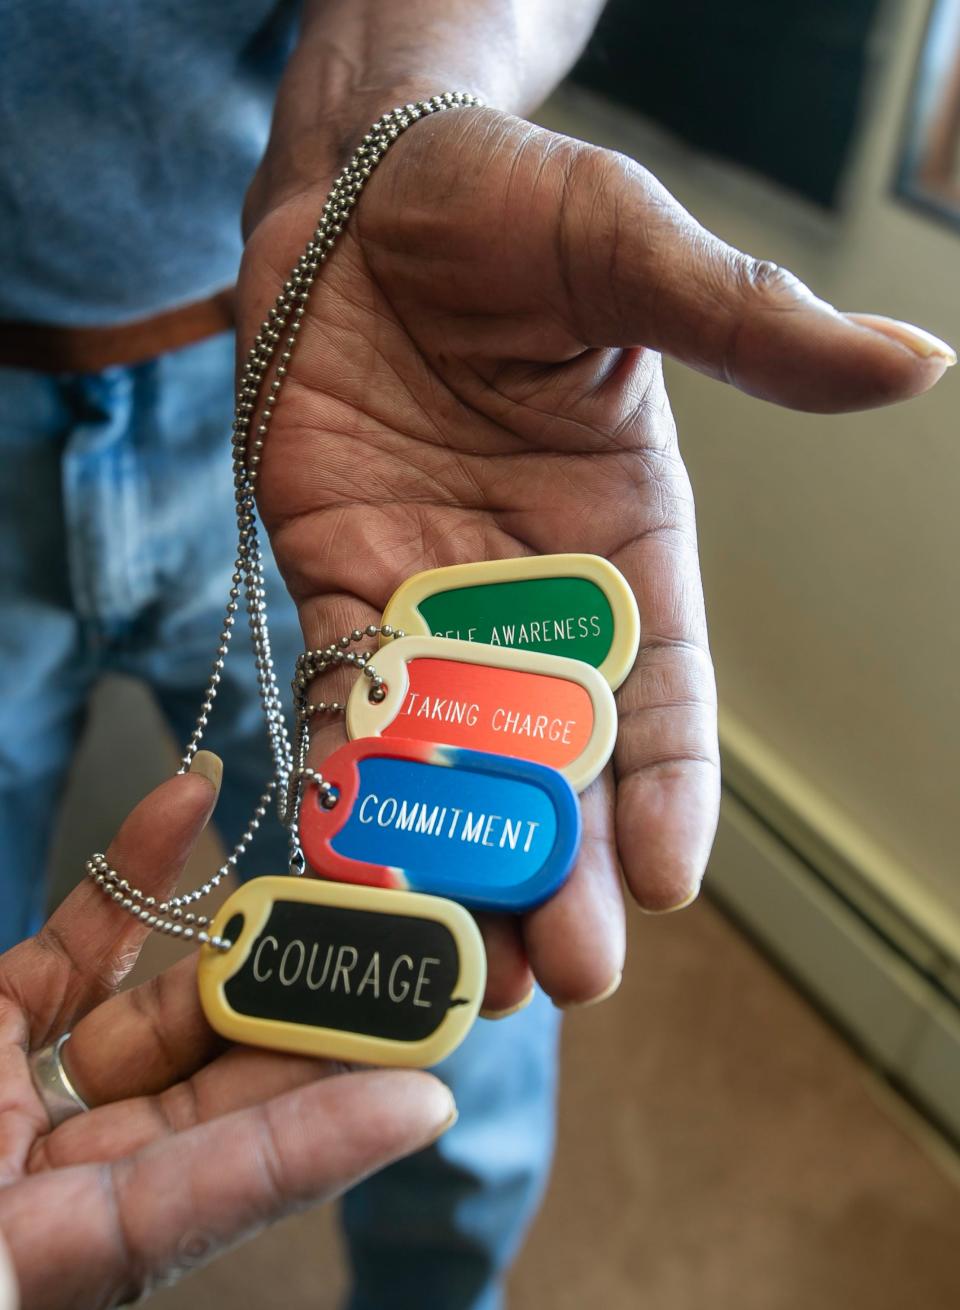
{"x": 478, "y": 376}
{"x": 193, "y": 1145}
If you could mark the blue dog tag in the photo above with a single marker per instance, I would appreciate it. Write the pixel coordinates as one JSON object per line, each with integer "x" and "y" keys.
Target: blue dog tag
{"x": 491, "y": 832}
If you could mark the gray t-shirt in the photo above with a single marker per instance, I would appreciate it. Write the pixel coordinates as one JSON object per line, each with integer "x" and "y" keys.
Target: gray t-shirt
{"x": 129, "y": 131}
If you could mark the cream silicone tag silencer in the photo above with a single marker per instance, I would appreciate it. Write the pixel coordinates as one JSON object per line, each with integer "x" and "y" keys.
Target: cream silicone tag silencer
{"x": 554, "y": 711}
{"x": 579, "y": 606}
{"x": 343, "y": 972}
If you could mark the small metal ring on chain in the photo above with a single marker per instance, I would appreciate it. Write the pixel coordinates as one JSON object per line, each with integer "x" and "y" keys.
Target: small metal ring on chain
{"x": 311, "y": 665}
{"x": 272, "y": 349}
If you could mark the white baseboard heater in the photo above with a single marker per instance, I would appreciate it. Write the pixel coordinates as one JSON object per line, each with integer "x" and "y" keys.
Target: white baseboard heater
{"x": 849, "y": 929}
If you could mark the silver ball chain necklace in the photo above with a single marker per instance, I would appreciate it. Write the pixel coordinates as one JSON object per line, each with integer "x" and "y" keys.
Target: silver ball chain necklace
{"x": 271, "y": 352}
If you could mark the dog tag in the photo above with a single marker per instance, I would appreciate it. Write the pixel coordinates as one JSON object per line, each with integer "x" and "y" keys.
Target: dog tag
{"x": 491, "y": 832}
{"x": 350, "y": 973}
{"x": 544, "y": 708}
{"x": 574, "y": 605}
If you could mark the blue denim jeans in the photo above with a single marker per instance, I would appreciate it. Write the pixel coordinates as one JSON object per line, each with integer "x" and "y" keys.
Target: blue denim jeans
{"x": 117, "y": 542}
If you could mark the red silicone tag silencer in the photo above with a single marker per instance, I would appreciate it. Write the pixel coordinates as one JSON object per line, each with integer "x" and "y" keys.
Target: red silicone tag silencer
{"x": 491, "y": 832}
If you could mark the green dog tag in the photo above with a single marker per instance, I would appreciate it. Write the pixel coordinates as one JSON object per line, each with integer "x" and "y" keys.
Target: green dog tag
{"x": 578, "y": 606}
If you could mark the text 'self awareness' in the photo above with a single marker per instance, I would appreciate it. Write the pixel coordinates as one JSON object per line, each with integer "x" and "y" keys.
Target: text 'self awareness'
{"x": 489, "y": 707}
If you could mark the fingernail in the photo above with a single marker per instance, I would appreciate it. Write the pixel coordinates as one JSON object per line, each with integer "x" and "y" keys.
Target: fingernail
{"x": 917, "y": 339}
{"x": 453, "y": 1114}
{"x": 594, "y": 1000}
{"x": 672, "y": 909}
{"x": 208, "y": 766}
{"x": 511, "y": 1009}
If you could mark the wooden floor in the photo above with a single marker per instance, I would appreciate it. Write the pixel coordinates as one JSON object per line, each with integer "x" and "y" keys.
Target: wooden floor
{"x": 720, "y": 1149}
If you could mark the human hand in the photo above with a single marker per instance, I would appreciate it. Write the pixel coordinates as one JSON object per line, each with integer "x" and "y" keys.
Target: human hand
{"x": 192, "y": 1145}
{"x": 478, "y": 376}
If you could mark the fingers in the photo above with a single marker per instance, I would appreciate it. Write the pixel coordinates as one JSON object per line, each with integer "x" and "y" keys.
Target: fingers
{"x": 174, "y": 1206}
{"x": 85, "y": 950}
{"x": 509, "y": 976}
{"x": 667, "y": 757}
{"x": 667, "y": 808}
{"x": 239, "y": 1078}
{"x": 143, "y": 1040}
{"x": 647, "y": 273}
{"x": 576, "y": 941}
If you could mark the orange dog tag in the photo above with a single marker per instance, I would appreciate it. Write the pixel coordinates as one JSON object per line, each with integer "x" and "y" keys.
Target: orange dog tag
{"x": 554, "y": 711}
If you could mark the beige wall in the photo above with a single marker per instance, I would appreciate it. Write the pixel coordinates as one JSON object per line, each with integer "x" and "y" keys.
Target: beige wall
{"x": 830, "y": 545}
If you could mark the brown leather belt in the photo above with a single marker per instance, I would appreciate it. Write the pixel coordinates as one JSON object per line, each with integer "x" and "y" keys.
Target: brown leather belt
{"x": 50, "y": 349}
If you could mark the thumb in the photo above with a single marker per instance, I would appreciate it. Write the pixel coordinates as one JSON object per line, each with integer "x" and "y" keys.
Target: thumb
{"x": 84, "y": 951}
{"x": 655, "y": 277}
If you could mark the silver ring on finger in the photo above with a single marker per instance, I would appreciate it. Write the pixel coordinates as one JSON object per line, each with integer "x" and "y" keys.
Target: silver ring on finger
{"x": 60, "y": 1098}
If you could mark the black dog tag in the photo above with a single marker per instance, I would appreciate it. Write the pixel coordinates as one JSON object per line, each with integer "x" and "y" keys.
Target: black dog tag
{"x": 351, "y": 973}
